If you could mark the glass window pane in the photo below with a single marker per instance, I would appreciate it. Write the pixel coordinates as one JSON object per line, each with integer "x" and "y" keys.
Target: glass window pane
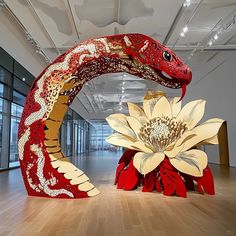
{"x": 20, "y": 86}
{"x": 15, "y": 120}
{"x": 69, "y": 139}
{"x": 18, "y": 98}
{"x": 5, "y": 77}
{"x": 21, "y": 73}
{"x": 99, "y": 131}
{"x": 1, "y": 104}
{"x": 1, "y": 90}
{"x": 6, "y": 60}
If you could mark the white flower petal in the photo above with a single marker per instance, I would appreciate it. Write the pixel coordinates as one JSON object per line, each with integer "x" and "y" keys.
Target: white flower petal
{"x": 121, "y": 141}
{"x": 162, "y": 108}
{"x": 137, "y": 112}
{"x": 192, "y": 162}
{"x": 148, "y": 106}
{"x": 175, "y": 106}
{"x": 142, "y": 147}
{"x": 192, "y": 113}
{"x": 146, "y": 162}
{"x": 134, "y": 124}
{"x": 175, "y": 151}
{"x": 213, "y": 140}
{"x": 186, "y": 135}
{"x": 204, "y": 131}
{"x": 119, "y": 123}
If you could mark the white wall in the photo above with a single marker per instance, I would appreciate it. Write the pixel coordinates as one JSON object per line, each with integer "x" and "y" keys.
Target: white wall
{"x": 218, "y": 88}
{"x": 13, "y": 41}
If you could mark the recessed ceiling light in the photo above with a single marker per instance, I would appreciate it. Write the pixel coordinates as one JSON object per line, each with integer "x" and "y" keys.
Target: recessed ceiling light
{"x": 123, "y": 82}
{"x": 120, "y": 103}
{"x": 182, "y": 34}
{"x": 23, "y": 79}
{"x": 187, "y": 3}
{"x": 185, "y": 29}
{"x": 210, "y": 43}
{"x": 216, "y": 37}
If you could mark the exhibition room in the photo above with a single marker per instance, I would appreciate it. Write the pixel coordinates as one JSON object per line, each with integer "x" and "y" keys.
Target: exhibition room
{"x": 117, "y": 117}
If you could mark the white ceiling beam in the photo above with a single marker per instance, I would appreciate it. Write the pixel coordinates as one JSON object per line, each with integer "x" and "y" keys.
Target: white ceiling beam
{"x": 190, "y": 18}
{"x": 173, "y": 25}
{"x": 100, "y": 105}
{"x": 88, "y": 99}
{"x": 38, "y": 19}
{"x": 73, "y": 19}
{"x": 27, "y": 34}
{"x": 82, "y": 104}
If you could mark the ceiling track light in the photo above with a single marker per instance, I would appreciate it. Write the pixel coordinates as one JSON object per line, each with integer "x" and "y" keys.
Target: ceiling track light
{"x": 209, "y": 39}
{"x": 27, "y": 34}
{"x": 2, "y": 4}
{"x": 187, "y": 3}
{"x": 224, "y": 29}
{"x": 184, "y": 30}
{"x": 214, "y": 38}
{"x": 38, "y": 50}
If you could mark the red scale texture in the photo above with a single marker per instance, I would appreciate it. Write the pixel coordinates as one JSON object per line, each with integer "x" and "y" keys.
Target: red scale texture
{"x": 165, "y": 178}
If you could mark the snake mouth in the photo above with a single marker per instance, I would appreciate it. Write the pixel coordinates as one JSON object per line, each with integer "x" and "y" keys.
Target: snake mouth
{"x": 173, "y": 82}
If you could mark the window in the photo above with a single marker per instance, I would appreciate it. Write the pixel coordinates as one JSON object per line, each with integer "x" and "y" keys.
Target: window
{"x": 75, "y": 129}
{"x": 99, "y": 131}
{"x": 18, "y": 98}
{"x": 20, "y": 86}
{"x": 15, "y": 82}
{"x": 1, "y": 116}
{"x": 16, "y": 112}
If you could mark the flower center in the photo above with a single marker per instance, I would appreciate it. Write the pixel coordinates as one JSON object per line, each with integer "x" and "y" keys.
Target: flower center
{"x": 162, "y": 131}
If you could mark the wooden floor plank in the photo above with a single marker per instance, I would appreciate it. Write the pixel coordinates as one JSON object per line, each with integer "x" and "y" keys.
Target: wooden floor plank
{"x": 117, "y": 212}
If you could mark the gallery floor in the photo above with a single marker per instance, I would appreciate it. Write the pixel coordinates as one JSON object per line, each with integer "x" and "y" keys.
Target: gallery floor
{"x": 117, "y": 212}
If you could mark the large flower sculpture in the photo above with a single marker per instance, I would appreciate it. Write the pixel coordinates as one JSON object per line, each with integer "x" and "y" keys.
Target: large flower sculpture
{"x": 162, "y": 132}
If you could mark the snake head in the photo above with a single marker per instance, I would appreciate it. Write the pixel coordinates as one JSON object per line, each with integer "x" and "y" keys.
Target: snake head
{"x": 171, "y": 71}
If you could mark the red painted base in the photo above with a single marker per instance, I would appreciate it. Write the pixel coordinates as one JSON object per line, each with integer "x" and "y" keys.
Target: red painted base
{"x": 164, "y": 178}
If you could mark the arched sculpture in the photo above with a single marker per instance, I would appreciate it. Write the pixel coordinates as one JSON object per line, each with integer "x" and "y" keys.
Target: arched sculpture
{"x": 45, "y": 169}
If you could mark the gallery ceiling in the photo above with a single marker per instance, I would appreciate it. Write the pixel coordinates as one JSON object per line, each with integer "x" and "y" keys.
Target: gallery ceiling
{"x": 200, "y": 31}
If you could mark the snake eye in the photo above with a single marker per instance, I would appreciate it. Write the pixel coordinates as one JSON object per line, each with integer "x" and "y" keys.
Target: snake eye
{"x": 167, "y": 56}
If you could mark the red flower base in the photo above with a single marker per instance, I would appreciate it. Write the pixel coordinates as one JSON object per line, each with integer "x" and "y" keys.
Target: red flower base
{"x": 164, "y": 178}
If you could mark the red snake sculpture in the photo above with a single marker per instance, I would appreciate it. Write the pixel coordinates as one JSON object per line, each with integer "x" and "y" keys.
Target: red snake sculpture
{"x": 45, "y": 169}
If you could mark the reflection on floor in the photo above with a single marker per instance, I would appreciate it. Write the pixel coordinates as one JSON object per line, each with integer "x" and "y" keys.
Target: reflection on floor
{"x": 117, "y": 212}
